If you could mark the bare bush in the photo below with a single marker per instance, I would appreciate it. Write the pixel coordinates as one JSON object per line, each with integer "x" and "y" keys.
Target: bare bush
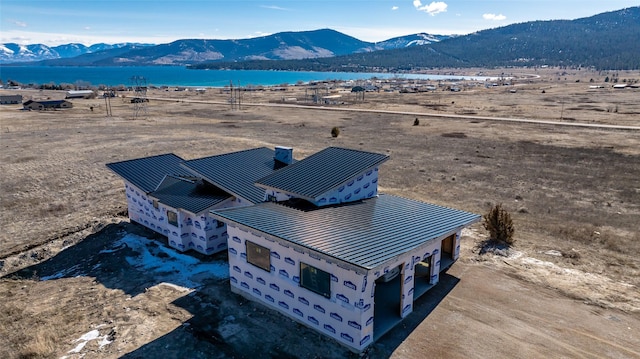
{"x": 335, "y": 132}
{"x": 499, "y": 224}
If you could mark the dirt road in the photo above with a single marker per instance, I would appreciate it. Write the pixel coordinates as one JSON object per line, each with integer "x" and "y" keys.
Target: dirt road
{"x": 421, "y": 114}
{"x": 489, "y": 314}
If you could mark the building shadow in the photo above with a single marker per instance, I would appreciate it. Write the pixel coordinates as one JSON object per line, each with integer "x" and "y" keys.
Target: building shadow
{"x": 223, "y": 324}
{"x": 101, "y": 256}
{"x": 255, "y": 331}
{"x": 422, "y": 308}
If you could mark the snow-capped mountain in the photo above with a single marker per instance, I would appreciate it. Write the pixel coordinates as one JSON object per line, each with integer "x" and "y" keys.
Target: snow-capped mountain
{"x": 411, "y": 40}
{"x": 285, "y": 45}
{"x": 12, "y": 52}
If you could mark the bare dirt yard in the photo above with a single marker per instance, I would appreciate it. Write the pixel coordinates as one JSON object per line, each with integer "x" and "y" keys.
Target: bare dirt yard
{"x": 78, "y": 280}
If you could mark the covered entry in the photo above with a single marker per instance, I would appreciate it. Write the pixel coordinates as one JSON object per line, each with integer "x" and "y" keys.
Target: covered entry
{"x": 447, "y": 252}
{"x": 423, "y": 277}
{"x": 387, "y": 302}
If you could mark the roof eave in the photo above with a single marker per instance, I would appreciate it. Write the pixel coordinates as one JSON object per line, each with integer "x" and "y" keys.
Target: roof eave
{"x": 422, "y": 245}
{"x": 234, "y": 194}
{"x": 293, "y": 194}
{"x": 245, "y": 228}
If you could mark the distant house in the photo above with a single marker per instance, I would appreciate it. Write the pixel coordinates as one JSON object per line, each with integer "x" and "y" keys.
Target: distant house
{"x": 80, "y": 94}
{"x": 10, "y": 99}
{"x": 47, "y": 105}
{"x": 312, "y": 239}
{"x": 620, "y": 86}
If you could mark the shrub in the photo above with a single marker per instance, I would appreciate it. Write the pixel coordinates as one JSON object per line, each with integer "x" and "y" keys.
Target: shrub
{"x": 499, "y": 224}
{"x": 416, "y": 122}
{"x": 335, "y": 132}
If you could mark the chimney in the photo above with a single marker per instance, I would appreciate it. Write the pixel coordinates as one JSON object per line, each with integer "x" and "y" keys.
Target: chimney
{"x": 284, "y": 155}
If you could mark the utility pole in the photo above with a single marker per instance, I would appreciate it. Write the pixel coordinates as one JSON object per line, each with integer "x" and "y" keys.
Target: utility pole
{"x": 140, "y": 96}
{"x": 107, "y": 101}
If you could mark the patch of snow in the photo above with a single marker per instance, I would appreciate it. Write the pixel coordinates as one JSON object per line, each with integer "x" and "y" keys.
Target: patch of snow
{"x": 94, "y": 334}
{"x": 60, "y": 274}
{"x": 6, "y": 50}
{"x": 78, "y": 348}
{"x": 104, "y": 341}
{"x": 87, "y": 337}
{"x": 176, "y": 287}
{"x": 554, "y": 253}
{"x": 84, "y": 339}
{"x": 171, "y": 266}
{"x": 111, "y": 250}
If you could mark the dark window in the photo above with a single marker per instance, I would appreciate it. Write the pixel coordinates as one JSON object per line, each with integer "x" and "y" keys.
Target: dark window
{"x": 271, "y": 198}
{"x": 259, "y": 256}
{"x": 172, "y": 218}
{"x": 315, "y": 280}
{"x": 219, "y": 224}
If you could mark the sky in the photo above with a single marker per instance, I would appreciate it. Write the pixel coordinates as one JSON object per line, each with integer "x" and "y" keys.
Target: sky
{"x": 52, "y": 22}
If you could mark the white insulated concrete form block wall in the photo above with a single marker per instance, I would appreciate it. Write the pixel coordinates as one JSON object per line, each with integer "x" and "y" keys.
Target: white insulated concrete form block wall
{"x": 408, "y": 274}
{"x": 142, "y": 211}
{"x": 348, "y": 314}
{"x": 200, "y": 232}
{"x": 363, "y": 186}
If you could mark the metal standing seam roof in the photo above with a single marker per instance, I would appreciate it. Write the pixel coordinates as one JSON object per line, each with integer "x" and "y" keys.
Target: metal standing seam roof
{"x": 366, "y": 234}
{"x": 236, "y": 172}
{"x": 193, "y": 196}
{"x": 148, "y": 172}
{"x": 322, "y": 172}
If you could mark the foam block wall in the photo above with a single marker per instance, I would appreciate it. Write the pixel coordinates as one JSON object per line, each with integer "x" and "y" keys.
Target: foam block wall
{"x": 348, "y": 315}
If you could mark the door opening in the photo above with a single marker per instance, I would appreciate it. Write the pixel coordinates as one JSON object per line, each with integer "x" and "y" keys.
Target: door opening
{"x": 387, "y": 307}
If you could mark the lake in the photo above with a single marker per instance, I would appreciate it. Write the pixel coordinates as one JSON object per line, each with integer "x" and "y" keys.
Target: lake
{"x": 181, "y": 76}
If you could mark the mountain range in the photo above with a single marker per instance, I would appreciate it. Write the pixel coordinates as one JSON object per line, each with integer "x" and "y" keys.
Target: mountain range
{"x": 15, "y": 53}
{"x": 606, "y": 41}
{"x": 280, "y": 46}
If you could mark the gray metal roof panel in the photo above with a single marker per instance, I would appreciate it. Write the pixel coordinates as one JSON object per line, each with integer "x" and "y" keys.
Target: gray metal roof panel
{"x": 192, "y": 196}
{"x": 322, "y": 171}
{"x": 146, "y": 173}
{"x": 365, "y": 234}
{"x": 237, "y": 172}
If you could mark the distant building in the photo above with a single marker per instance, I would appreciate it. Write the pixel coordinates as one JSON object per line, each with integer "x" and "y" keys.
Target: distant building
{"x": 10, "y": 99}
{"x": 47, "y": 105}
{"x": 80, "y": 94}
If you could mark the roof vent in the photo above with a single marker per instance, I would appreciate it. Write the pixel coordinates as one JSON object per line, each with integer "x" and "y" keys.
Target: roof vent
{"x": 284, "y": 155}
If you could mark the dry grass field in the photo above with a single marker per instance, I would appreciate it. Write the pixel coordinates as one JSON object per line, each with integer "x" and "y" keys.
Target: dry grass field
{"x": 568, "y": 288}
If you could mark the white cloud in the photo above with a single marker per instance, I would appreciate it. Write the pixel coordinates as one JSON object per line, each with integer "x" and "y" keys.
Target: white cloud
{"x": 19, "y": 23}
{"x": 54, "y": 39}
{"x": 432, "y": 9}
{"x": 494, "y": 17}
{"x": 273, "y": 7}
{"x": 87, "y": 28}
{"x": 394, "y": 8}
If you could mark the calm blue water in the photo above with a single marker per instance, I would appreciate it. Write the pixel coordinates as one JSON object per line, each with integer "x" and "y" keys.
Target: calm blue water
{"x": 181, "y": 76}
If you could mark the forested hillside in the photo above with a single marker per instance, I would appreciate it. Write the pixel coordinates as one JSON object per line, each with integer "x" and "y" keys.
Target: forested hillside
{"x": 605, "y": 41}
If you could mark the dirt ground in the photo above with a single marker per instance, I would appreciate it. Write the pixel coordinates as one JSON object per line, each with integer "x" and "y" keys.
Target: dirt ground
{"x": 568, "y": 288}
